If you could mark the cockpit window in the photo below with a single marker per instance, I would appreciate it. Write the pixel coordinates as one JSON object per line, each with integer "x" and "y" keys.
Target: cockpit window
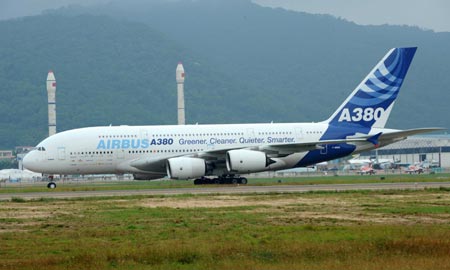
{"x": 41, "y": 148}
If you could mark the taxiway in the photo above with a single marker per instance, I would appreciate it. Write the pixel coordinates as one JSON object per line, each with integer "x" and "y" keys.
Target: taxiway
{"x": 54, "y": 194}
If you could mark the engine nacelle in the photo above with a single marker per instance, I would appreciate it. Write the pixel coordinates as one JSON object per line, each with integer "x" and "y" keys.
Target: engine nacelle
{"x": 247, "y": 161}
{"x": 184, "y": 168}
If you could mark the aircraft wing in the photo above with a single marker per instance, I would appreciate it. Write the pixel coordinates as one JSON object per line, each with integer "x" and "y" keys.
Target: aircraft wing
{"x": 159, "y": 164}
{"x": 380, "y": 138}
{"x": 149, "y": 164}
{"x": 306, "y": 146}
{"x": 279, "y": 150}
{"x": 218, "y": 155}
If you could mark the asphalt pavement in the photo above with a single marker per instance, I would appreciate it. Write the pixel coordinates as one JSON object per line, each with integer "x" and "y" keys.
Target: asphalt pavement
{"x": 55, "y": 194}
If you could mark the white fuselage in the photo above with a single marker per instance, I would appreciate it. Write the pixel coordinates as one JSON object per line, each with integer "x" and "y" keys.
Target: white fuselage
{"x": 102, "y": 150}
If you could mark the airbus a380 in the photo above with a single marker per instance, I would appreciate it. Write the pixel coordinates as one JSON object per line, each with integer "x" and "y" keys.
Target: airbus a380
{"x": 227, "y": 151}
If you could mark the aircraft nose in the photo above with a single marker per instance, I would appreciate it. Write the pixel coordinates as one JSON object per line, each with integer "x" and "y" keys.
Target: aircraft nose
{"x": 29, "y": 162}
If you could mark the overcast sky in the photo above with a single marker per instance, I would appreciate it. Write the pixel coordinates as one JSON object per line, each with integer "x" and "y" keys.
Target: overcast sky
{"x": 427, "y": 14}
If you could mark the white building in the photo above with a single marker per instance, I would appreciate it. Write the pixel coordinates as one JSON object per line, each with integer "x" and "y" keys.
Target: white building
{"x": 431, "y": 148}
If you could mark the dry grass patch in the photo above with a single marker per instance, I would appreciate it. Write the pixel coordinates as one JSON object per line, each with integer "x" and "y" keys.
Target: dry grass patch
{"x": 353, "y": 230}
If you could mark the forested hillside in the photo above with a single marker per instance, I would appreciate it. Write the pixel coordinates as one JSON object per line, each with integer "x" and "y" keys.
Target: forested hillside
{"x": 301, "y": 65}
{"x": 107, "y": 72}
{"x": 115, "y": 64}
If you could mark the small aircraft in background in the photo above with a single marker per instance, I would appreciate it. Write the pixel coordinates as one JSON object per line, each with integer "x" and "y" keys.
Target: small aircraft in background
{"x": 416, "y": 169}
{"x": 367, "y": 169}
{"x": 369, "y": 166}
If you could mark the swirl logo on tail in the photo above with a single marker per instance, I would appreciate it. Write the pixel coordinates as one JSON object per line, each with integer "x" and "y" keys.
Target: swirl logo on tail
{"x": 371, "y": 102}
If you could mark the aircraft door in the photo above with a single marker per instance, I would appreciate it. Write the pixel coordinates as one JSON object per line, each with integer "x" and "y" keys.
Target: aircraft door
{"x": 144, "y": 134}
{"x": 61, "y": 153}
{"x": 120, "y": 154}
{"x": 298, "y": 133}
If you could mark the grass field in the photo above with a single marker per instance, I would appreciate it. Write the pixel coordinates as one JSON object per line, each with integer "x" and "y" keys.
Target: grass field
{"x": 317, "y": 230}
{"x": 132, "y": 185}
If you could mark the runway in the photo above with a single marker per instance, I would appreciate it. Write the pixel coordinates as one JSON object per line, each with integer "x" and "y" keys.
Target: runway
{"x": 54, "y": 194}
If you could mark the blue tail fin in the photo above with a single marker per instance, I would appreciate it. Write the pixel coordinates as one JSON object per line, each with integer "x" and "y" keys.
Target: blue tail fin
{"x": 371, "y": 102}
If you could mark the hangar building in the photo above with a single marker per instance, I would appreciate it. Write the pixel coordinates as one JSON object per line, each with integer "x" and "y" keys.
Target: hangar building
{"x": 431, "y": 148}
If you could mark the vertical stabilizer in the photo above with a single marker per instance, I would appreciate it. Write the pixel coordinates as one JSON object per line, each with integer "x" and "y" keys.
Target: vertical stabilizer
{"x": 370, "y": 104}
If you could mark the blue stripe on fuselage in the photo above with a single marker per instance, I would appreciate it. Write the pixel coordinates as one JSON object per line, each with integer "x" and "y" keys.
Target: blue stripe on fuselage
{"x": 333, "y": 151}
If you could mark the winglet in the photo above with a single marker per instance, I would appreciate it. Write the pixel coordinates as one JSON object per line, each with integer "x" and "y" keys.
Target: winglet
{"x": 374, "y": 139}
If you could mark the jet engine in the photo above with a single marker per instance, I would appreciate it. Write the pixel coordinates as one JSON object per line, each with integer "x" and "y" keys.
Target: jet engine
{"x": 247, "y": 161}
{"x": 183, "y": 168}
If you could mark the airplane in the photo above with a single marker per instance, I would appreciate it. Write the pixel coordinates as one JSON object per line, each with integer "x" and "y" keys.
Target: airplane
{"x": 362, "y": 162}
{"x": 367, "y": 169}
{"x": 224, "y": 152}
{"x": 368, "y": 166}
{"x": 414, "y": 169}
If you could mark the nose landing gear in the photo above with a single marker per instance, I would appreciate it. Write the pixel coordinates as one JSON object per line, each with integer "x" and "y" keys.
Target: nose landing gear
{"x": 51, "y": 184}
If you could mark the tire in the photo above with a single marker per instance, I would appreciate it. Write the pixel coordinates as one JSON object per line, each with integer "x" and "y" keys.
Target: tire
{"x": 51, "y": 185}
{"x": 243, "y": 180}
{"x": 234, "y": 181}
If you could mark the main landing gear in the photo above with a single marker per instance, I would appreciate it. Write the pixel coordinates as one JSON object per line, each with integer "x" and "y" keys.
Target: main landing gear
{"x": 221, "y": 180}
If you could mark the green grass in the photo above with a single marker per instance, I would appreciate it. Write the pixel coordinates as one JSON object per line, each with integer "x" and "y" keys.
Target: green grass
{"x": 417, "y": 210}
{"x": 327, "y": 230}
{"x": 351, "y": 179}
{"x": 17, "y": 199}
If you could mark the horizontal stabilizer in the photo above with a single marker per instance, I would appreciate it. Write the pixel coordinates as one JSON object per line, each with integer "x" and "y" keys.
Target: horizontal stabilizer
{"x": 405, "y": 133}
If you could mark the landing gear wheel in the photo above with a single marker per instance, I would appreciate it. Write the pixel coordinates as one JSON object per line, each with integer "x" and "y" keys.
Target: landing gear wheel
{"x": 51, "y": 185}
{"x": 221, "y": 180}
{"x": 202, "y": 181}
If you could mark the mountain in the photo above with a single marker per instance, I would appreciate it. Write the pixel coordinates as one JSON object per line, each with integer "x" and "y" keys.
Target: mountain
{"x": 115, "y": 64}
{"x": 296, "y": 62}
{"x": 107, "y": 71}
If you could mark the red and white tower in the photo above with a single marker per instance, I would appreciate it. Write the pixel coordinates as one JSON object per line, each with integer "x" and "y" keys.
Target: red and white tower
{"x": 180, "y": 88}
